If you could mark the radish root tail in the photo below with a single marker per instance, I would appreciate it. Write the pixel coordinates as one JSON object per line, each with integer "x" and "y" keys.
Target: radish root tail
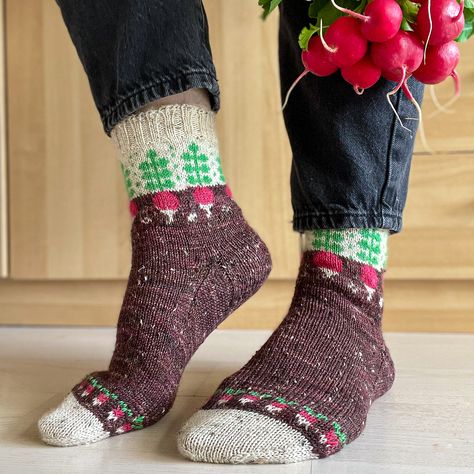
{"x": 290, "y": 90}
{"x": 421, "y": 127}
{"x": 429, "y": 33}
{"x": 457, "y": 94}
{"x": 350, "y": 12}
{"x": 440, "y": 108}
{"x": 393, "y": 92}
{"x": 323, "y": 41}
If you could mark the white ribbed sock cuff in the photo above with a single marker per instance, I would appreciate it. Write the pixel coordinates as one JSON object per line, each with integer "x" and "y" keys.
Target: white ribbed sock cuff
{"x": 170, "y": 148}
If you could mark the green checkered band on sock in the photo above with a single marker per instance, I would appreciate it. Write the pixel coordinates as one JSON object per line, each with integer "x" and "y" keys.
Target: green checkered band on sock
{"x": 170, "y": 148}
{"x": 367, "y": 246}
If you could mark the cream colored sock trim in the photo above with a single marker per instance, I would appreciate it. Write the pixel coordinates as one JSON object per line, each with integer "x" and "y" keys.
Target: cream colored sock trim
{"x": 162, "y": 149}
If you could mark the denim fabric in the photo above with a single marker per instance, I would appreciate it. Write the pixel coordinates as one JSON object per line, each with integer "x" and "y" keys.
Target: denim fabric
{"x": 351, "y": 158}
{"x": 137, "y": 51}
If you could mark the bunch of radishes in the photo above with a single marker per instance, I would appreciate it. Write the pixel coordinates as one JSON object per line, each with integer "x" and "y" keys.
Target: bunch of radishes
{"x": 375, "y": 43}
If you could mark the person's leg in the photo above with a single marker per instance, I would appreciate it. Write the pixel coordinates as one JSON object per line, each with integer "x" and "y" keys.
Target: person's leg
{"x": 306, "y": 393}
{"x": 136, "y": 52}
{"x": 194, "y": 257}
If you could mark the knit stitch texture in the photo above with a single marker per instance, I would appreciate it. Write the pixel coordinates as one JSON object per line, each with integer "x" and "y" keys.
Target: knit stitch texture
{"x": 306, "y": 393}
{"x": 194, "y": 261}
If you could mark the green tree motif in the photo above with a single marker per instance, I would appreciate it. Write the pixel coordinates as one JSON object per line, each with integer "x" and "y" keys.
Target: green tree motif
{"x": 128, "y": 181}
{"x": 330, "y": 241}
{"x": 370, "y": 246}
{"x": 196, "y": 166}
{"x": 220, "y": 171}
{"x": 155, "y": 172}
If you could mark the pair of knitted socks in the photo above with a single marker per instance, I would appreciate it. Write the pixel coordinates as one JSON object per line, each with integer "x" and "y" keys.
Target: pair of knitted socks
{"x": 306, "y": 392}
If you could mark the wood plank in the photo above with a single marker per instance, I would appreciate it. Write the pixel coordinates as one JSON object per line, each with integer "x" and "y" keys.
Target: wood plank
{"x": 3, "y": 155}
{"x": 61, "y": 161}
{"x": 454, "y": 131}
{"x": 67, "y": 204}
{"x": 431, "y": 306}
{"x": 255, "y": 147}
{"x": 69, "y": 214}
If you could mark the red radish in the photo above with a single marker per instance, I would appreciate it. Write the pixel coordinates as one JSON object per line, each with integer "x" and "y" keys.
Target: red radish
{"x": 441, "y": 60}
{"x": 381, "y": 19}
{"x": 315, "y": 60}
{"x": 344, "y": 42}
{"x": 440, "y": 21}
{"x": 398, "y": 57}
{"x": 362, "y": 75}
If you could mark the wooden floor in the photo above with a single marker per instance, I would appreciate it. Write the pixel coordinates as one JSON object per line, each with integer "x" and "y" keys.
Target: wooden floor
{"x": 424, "y": 425}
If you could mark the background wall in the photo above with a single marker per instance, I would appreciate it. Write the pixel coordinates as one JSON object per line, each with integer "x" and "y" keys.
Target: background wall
{"x": 68, "y": 225}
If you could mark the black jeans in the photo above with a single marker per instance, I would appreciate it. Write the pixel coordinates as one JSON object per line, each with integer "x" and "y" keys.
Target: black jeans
{"x": 351, "y": 158}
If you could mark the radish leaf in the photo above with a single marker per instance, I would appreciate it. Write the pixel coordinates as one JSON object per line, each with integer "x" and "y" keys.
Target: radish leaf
{"x": 268, "y": 6}
{"x": 306, "y": 34}
{"x": 468, "y": 29}
{"x": 405, "y": 26}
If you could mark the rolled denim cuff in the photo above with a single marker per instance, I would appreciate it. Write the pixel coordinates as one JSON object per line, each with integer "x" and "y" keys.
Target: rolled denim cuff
{"x": 158, "y": 89}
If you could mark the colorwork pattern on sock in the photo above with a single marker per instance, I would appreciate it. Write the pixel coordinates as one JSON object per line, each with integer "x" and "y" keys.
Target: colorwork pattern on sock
{"x": 306, "y": 393}
{"x": 194, "y": 261}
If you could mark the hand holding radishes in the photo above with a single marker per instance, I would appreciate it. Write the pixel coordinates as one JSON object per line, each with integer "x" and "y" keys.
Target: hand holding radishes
{"x": 395, "y": 39}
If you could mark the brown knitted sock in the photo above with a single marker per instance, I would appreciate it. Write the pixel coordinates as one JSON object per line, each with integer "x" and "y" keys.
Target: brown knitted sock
{"x": 194, "y": 261}
{"x": 306, "y": 393}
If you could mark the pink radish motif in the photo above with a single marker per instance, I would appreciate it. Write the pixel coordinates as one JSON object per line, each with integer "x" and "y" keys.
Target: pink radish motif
{"x": 362, "y": 75}
{"x": 440, "y": 21}
{"x": 248, "y": 399}
{"x": 205, "y": 198}
{"x": 381, "y": 19}
{"x": 370, "y": 279}
{"x": 125, "y": 428}
{"x": 87, "y": 391}
{"x": 167, "y": 203}
{"x": 224, "y": 399}
{"x": 344, "y": 42}
{"x": 100, "y": 399}
{"x": 305, "y": 419}
{"x": 228, "y": 191}
{"x": 133, "y": 208}
{"x": 328, "y": 262}
{"x": 115, "y": 414}
{"x": 275, "y": 407}
{"x": 332, "y": 440}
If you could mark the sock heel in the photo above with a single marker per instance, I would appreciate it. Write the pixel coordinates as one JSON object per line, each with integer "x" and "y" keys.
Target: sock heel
{"x": 386, "y": 374}
{"x": 249, "y": 268}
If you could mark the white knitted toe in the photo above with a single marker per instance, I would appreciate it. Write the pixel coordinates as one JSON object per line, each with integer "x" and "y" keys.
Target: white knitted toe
{"x": 70, "y": 424}
{"x": 238, "y": 437}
